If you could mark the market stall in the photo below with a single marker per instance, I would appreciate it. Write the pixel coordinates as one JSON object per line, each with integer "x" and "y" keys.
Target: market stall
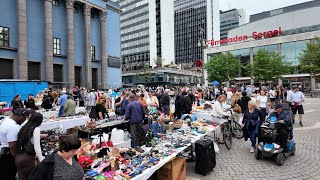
{"x": 140, "y": 166}
{"x": 64, "y": 123}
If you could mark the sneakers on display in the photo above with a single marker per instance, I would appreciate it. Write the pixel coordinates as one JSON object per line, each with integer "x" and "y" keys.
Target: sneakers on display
{"x": 139, "y": 149}
{"x": 252, "y": 149}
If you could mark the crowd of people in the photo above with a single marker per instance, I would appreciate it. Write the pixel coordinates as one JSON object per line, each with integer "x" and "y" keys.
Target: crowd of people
{"x": 20, "y": 139}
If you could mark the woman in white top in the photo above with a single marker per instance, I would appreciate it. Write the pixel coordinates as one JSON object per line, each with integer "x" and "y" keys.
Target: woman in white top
{"x": 229, "y": 96}
{"x": 272, "y": 96}
{"x": 262, "y": 102}
{"x": 28, "y": 146}
{"x": 217, "y": 110}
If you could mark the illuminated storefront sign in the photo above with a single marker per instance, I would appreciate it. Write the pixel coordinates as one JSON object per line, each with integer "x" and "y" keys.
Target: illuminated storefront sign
{"x": 254, "y": 35}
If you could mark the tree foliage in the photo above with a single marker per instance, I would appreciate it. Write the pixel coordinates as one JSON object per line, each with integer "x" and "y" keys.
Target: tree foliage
{"x": 223, "y": 67}
{"x": 310, "y": 58}
{"x": 268, "y": 65}
{"x": 144, "y": 75}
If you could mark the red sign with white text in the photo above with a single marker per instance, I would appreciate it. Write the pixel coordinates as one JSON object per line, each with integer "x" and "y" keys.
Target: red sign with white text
{"x": 237, "y": 38}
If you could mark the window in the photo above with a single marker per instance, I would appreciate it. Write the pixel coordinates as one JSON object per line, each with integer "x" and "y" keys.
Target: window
{"x": 56, "y": 2}
{"x": 34, "y": 70}
{"x": 93, "y": 52}
{"x": 92, "y": 16}
{"x": 56, "y": 46}
{"x": 6, "y": 68}
{"x": 57, "y": 73}
{"x": 76, "y": 10}
{"x": 4, "y": 37}
{"x": 77, "y": 76}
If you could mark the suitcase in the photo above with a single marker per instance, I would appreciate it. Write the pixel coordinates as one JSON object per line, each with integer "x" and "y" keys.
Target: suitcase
{"x": 205, "y": 156}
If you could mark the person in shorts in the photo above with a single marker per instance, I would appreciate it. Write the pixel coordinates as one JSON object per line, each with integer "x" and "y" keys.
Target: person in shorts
{"x": 296, "y": 98}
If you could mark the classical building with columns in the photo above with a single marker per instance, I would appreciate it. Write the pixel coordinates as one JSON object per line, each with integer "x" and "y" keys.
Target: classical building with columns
{"x": 286, "y": 31}
{"x": 65, "y": 42}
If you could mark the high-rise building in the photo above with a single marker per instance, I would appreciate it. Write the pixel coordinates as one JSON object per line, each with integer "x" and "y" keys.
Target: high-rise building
{"x": 231, "y": 19}
{"x": 146, "y": 32}
{"x": 195, "y": 22}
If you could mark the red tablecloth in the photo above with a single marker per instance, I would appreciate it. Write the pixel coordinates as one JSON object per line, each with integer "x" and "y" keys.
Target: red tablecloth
{"x": 6, "y": 109}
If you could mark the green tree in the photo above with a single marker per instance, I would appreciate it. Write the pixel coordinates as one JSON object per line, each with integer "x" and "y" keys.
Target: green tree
{"x": 310, "y": 58}
{"x": 144, "y": 75}
{"x": 268, "y": 65}
{"x": 158, "y": 61}
{"x": 223, "y": 67}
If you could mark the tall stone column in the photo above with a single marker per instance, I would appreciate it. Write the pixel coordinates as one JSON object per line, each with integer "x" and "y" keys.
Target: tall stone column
{"x": 88, "y": 69}
{"x": 103, "y": 37}
{"x": 48, "y": 44}
{"x": 22, "y": 41}
{"x": 251, "y": 62}
{"x": 70, "y": 8}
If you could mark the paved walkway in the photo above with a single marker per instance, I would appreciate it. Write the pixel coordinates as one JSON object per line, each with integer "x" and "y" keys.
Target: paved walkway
{"x": 239, "y": 163}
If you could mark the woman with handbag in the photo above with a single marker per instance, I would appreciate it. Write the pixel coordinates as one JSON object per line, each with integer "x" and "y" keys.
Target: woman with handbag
{"x": 252, "y": 122}
{"x": 28, "y": 146}
{"x": 237, "y": 111}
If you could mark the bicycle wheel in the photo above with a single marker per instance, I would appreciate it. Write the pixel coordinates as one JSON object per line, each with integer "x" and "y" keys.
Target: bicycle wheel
{"x": 227, "y": 137}
{"x": 237, "y": 131}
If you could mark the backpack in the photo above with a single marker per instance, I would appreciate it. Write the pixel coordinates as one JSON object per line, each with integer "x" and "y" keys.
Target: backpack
{"x": 93, "y": 113}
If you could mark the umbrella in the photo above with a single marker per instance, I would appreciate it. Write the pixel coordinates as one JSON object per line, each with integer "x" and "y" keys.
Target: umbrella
{"x": 215, "y": 83}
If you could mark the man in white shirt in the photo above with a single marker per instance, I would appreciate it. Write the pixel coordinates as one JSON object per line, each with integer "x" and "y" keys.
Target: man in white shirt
{"x": 296, "y": 98}
{"x": 91, "y": 98}
{"x": 9, "y": 129}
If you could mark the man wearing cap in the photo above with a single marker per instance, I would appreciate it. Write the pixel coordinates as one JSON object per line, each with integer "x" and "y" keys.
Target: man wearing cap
{"x": 282, "y": 125}
{"x": 296, "y": 98}
{"x": 62, "y": 101}
{"x": 9, "y": 129}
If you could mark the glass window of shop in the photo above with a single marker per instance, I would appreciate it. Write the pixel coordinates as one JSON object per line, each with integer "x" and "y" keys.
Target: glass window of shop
{"x": 270, "y": 48}
{"x": 291, "y": 51}
{"x": 244, "y": 57}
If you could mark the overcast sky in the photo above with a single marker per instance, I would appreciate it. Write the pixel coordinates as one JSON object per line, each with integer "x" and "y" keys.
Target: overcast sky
{"x": 257, "y": 6}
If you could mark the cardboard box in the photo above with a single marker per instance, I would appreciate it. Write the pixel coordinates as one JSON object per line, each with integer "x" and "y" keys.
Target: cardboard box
{"x": 173, "y": 170}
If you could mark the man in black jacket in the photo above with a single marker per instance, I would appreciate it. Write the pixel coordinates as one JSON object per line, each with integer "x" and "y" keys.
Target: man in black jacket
{"x": 192, "y": 97}
{"x": 165, "y": 102}
{"x": 186, "y": 104}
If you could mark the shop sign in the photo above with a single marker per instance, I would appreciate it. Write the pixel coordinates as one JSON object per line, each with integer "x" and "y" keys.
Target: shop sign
{"x": 239, "y": 38}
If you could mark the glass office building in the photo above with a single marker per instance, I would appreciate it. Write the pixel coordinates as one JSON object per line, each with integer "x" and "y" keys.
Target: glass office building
{"x": 297, "y": 27}
{"x": 194, "y": 22}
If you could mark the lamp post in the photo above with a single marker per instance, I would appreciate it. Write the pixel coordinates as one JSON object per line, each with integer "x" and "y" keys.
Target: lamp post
{"x": 202, "y": 45}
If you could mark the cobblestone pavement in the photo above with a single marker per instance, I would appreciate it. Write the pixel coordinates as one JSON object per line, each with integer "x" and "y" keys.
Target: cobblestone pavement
{"x": 239, "y": 163}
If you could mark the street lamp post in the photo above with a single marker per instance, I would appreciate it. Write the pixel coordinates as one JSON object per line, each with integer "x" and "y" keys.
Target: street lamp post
{"x": 202, "y": 45}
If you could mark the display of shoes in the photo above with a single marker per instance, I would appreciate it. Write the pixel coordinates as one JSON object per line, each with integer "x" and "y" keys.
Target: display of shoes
{"x": 138, "y": 149}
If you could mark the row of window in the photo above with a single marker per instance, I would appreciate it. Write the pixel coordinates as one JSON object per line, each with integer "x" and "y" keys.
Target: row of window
{"x": 57, "y": 48}
{"x": 34, "y": 72}
{"x": 4, "y": 42}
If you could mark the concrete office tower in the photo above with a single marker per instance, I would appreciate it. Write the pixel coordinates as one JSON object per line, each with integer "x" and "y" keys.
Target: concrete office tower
{"x": 147, "y": 32}
{"x": 231, "y": 19}
{"x": 195, "y": 21}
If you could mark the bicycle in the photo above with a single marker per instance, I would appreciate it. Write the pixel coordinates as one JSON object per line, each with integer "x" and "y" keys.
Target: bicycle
{"x": 231, "y": 129}
{"x": 312, "y": 93}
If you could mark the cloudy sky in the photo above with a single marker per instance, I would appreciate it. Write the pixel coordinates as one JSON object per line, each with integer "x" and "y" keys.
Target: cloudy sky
{"x": 257, "y": 6}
